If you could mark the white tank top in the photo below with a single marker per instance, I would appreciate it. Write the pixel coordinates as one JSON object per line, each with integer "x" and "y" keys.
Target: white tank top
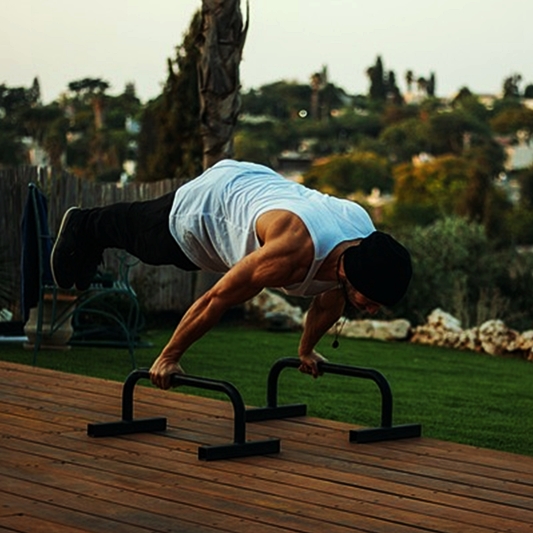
{"x": 213, "y": 218}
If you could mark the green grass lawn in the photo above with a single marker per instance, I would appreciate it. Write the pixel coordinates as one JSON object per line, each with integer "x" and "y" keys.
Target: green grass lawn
{"x": 458, "y": 396}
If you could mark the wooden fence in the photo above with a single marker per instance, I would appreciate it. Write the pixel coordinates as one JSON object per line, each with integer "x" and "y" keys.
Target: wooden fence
{"x": 160, "y": 289}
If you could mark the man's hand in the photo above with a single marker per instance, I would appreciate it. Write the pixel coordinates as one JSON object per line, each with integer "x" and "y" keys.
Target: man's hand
{"x": 309, "y": 363}
{"x": 162, "y": 371}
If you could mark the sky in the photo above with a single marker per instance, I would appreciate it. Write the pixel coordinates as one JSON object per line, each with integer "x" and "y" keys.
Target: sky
{"x": 472, "y": 43}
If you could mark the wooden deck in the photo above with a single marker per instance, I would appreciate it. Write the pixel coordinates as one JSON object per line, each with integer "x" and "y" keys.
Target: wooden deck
{"x": 56, "y": 479}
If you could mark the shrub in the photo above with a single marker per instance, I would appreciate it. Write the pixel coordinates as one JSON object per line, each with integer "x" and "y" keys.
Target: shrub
{"x": 458, "y": 269}
{"x": 344, "y": 175}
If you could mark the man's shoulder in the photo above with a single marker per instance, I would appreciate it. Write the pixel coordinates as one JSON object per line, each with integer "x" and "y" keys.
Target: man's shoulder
{"x": 282, "y": 223}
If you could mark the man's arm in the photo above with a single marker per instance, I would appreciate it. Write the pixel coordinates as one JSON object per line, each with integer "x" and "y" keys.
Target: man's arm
{"x": 280, "y": 261}
{"x": 325, "y": 310}
{"x": 204, "y": 313}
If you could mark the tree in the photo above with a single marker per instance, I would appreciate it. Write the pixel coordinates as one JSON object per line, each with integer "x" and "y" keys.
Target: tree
{"x": 525, "y": 178}
{"x": 511, "y": 87}
{"x": 35, "y": 92}
{"x": 437, "y": 184}
{"x": 470, "y": 105}
{"x": 393, "y": 91}
{"x": 431, "y": 85}
{"x": 520, "y": 219}
{"x": 14, "y": 103}
{"x": 14, "y": 100}
{"x": 221, "y": 43}
{"x": 486, "y": 160}
{"x": 378, "y": 82}
{"x": 281, "y": 100}
{"x": 90, "y": 93}
{"x": 11, "y": 149}
{"x": 318, "y": 82}
{"x": 464, "y": 92}
{"x": 422, "y": 84}
{"x": 48, "y": 126}
{"x": 289, "y": 100}
{"x": 528, "y": 91}
{"x": 344, "y": 175}
{"x": 448, "y": 132}
{"x": 91, "y": 90}
{"x": 383, "y": 86}
{"x": 170, "y": 144}
{"x": 458, "y": 269}
{"x": 409, "y": 78}
{"x": 512, "y": 119}
{"x": 405, "y": 139}
{"x": 55, "y": 140}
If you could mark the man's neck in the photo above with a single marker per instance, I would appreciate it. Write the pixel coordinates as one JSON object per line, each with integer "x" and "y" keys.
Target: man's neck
{"x": 328, "y": 269}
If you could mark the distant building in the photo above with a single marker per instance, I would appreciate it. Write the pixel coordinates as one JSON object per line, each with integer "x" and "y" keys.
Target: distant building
{"x": 293, "y": 164}
{"x": 519, "y": 156}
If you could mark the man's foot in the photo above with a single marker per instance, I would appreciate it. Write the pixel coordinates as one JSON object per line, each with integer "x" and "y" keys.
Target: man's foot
{"x": 63, "y": 260}
{"x": 74, "y": 261}
{"x": 88, "y": 261}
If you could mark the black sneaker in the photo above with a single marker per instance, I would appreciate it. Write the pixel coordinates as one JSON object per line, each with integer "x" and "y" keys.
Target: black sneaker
{"x": 88, "y": 260}
{"x": 64, "y": 260}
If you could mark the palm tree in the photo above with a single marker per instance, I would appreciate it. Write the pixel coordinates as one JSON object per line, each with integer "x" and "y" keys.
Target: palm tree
{"x": 318, "y": 82}
{"x": 221, "y": 44}
{"x": 409, "y": 78}
{"x": 422, "y": 85}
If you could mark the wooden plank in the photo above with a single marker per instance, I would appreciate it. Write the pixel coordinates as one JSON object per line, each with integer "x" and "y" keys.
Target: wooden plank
{"x": 209, "y": 486}
{"x": 30, "y": 511}
{"x": 188, "y": 506}
{"x": 368, "y": 448}
{"x": 485, "y": 457}
{"x": 524, "y": 464}
{"x": 320, "y": 481}
{"x": 23, "y": 523}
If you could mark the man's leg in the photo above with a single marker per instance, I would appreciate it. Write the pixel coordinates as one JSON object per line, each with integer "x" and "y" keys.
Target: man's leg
{"x": 140, "y": 228}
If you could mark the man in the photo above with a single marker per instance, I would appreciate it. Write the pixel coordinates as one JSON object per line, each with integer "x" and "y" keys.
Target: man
{"x": 262, "y": 231}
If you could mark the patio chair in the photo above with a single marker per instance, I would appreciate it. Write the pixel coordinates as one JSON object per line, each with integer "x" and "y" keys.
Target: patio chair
{"x": 107, "y": 313}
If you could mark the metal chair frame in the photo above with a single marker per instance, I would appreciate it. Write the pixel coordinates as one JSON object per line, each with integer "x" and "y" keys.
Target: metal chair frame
{"x": 90, "y": 302}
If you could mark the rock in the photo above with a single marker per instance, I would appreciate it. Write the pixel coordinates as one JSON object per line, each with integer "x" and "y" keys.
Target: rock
{"x": 275, "y": 311}
{"x": 439, "y": 319}
{"x": 355, "y": 329}
{"x": 492, "y": 337}
{"x": 441, "y": 329}
{"x": 525, "y": 344}
{"x": 469, "y": 340}
{"x": 496, "y": 338}
{"x": 376, "y": 329}
{"x": 398, "y": 329}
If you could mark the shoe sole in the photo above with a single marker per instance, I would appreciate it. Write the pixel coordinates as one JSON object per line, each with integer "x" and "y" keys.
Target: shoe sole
{"x": 62, "y": 226}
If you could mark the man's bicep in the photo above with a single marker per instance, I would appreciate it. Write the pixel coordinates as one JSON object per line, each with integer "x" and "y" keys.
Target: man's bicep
{"x": 242, "y": 282}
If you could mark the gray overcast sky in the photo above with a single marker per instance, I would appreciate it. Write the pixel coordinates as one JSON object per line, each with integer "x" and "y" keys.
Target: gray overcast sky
{"x": 476, "y": 43}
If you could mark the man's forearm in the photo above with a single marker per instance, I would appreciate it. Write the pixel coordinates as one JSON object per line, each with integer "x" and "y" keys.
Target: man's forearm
{"x": 312, "y": 333}
{"x": 325, "y": 310}
{"x": 195, "y": 323}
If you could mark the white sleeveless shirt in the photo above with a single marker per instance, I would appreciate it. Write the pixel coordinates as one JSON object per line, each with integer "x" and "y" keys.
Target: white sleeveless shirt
{"x": 213, "y": 218}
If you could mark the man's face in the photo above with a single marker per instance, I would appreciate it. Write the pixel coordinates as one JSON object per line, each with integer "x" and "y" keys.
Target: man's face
{"x": 353, "y": 296}
{"x": 359, "y": 300}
